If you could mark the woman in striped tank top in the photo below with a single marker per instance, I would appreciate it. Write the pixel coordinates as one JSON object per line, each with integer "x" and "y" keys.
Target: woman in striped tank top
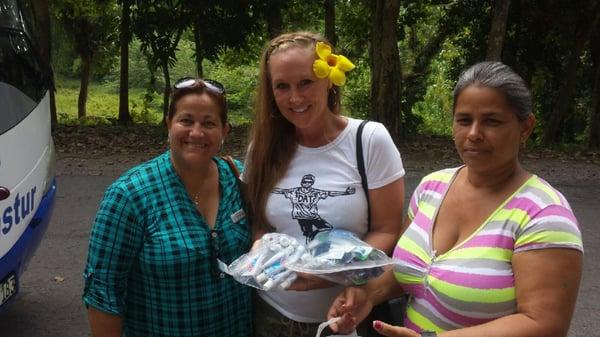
{"x": 489, "y": 249}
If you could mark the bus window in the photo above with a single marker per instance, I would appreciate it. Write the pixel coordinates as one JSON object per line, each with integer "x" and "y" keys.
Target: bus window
{"x": 24, "y": 79}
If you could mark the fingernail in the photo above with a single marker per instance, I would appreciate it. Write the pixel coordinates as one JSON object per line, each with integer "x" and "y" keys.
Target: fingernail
{"x": 377, "y": 325}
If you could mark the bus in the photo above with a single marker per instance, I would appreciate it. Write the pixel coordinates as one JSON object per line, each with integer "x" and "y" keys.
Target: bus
{"x": 27, "y": 155}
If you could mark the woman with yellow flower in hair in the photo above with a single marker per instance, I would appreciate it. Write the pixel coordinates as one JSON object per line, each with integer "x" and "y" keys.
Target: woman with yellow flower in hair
{"x": 302, "y": 172}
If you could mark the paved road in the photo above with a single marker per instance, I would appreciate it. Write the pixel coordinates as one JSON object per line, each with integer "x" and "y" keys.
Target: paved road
{"x": 50, "y": 304}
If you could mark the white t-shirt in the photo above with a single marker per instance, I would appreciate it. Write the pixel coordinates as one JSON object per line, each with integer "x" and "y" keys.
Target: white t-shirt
{"x": 322, "y": 190}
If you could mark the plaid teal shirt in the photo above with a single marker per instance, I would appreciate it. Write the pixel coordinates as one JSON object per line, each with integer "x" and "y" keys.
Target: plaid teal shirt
{"x": 152, "y": 258}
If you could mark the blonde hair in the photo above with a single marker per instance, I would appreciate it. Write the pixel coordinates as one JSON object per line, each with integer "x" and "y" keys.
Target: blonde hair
{"x": 272, "y": 144}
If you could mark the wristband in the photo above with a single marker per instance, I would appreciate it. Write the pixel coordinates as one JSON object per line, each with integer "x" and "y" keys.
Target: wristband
{"x": 428, "y": 334}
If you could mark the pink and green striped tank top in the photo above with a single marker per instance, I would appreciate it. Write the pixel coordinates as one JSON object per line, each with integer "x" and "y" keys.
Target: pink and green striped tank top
{"x": 473, "y": 282}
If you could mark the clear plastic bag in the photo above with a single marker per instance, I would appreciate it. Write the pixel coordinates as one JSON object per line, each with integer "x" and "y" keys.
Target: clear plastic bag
{"x": 337, "y": 255}
{"x": 264, "y": 267}
{"x": 341, "y": 257}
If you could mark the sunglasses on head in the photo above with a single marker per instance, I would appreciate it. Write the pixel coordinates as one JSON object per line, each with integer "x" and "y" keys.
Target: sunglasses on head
{"x": 211, "y": 85}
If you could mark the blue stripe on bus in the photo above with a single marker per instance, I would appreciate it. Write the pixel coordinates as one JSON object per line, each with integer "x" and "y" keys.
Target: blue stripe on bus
{"x": 19, "y": 255}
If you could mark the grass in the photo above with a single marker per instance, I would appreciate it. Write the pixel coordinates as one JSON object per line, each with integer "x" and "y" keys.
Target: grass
{"x": 103, "y": 105}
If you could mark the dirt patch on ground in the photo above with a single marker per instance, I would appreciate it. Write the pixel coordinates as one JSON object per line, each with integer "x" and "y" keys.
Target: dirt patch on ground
{"x": 100, "y": 150}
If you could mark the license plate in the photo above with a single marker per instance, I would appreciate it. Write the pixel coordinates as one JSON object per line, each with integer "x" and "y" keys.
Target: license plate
{"x": 8, "y": 288}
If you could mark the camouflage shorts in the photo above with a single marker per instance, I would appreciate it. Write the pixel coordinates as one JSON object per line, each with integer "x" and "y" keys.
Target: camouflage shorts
{"x": 268, "y": 322}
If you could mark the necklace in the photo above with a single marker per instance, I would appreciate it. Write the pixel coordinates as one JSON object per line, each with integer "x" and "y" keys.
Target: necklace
{"x": 196, "y": 198}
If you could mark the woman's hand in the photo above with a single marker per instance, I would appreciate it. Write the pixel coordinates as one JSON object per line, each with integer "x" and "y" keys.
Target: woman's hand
{"x": 394, "y": 331}
{"x": 308, "y": 282}
{"x": 353, "y": 305}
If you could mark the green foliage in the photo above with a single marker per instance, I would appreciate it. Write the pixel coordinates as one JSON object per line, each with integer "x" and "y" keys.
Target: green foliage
{"x": 419, "y": 24}
{"x": 435, "y": 110}
{"x": 103, "y": 104}
{"x": 356, "y": 94}
{"x": 139, "y": 73}
{"x": 304, "y": 15}
{"x": 472, "y": 24}
{"x": 438, "y": 39}
{"x": 421, "y": 34}
{"x": 352, "y": 28}
{"x": 539, "y": 44}
{"x": 218, "y": 24}
{"x": 91, "y": 29}
{"x": 185, "y": 65}
{"x": 63, "y": 55}
{"x": 539, "y": 87}
{"x": 158, "y": 25}
{"x": 249, "y": 53}
{"x": 240, "y": 84}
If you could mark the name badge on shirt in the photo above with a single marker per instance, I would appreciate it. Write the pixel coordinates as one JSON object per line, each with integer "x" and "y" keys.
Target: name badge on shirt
{"x": 237, "y": 216}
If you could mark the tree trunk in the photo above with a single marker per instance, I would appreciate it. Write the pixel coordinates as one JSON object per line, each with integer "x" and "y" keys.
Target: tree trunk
{"x": 164, "y": 57}
{"x": 553, "y": 133}
{"x": 124, "y": 116}
{"x": 386, "y": 74}
{"x": 412, "y": 38}
{"x": 594, "y": 139}
{"x": 198, "y": 45}
{"x": 274, "y": 21}
{"x": 594, "y": 136}
{"x": 42, "y": 28}
{"x": 414, "y": 84}
{"x": 86, "y": 73}
{"x": 496, "y": 37}
{"x": 44, "y": 38}
{"x": 330, "y": 21}
{"x": 167, "y": 90}
{"x": 150, "y": 88}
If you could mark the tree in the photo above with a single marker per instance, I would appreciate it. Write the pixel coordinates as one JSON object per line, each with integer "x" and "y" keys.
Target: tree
{"x": 41, "y": 11}
{"x": 553, "y": 132}
{"x": 451, "y": 21}
{"x": 272, "y": 14}
{"x": 235, "y": 22}
{"x": 353, "y": 28}
{"x": 159, "y": 25}
{"x": 90, "y": 25}
{"x": 330, "y": 21}
{"x": 496, "y": 37}
{"x": 594, "y": 127}
{"x": 124, "y": 39}
{"x": 386, "y": 74}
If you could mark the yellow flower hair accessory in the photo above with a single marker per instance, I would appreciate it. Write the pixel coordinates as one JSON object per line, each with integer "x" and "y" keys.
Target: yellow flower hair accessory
{"x": 332, "y": 65}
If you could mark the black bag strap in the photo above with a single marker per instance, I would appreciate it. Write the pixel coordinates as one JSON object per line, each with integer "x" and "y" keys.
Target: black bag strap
{"x": 361, "y": 169}
{"x": 382, "y": 311}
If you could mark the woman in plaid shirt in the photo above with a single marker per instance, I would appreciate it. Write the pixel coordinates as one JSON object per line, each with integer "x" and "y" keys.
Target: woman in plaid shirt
{"x": 152, "y": 261}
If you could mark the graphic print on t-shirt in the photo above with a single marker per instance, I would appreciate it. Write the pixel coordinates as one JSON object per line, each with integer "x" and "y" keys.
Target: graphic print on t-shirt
{"x": 304, "y": 205}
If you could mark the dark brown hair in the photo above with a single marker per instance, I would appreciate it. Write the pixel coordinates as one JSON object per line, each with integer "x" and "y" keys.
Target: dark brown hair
{"x": 198, "y": 88}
